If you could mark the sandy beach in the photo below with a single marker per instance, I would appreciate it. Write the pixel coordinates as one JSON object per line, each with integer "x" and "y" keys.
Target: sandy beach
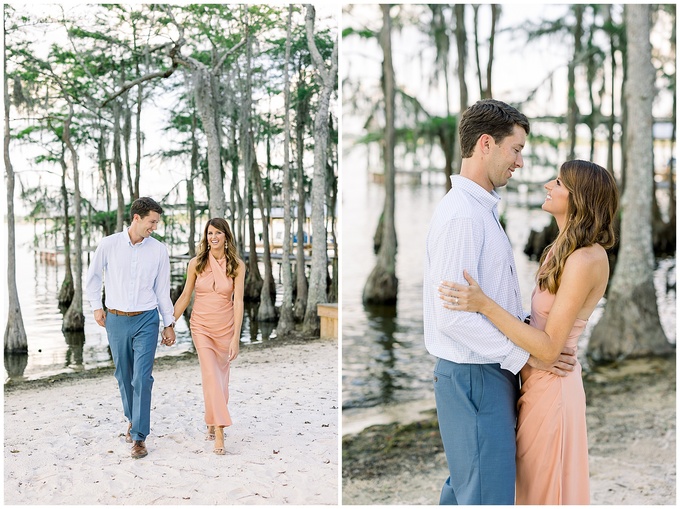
{"x": 64, "y": 442}
{"x": 631, "y": 416}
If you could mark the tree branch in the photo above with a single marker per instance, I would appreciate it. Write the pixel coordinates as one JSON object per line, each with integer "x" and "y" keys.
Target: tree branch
{"x": 327, "y": 76}
{"x": 232, "y": 50}
{"x": 174, "y": 52}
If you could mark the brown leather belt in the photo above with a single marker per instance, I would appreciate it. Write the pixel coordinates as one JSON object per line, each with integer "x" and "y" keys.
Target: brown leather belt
{"x": 125, "y": 313}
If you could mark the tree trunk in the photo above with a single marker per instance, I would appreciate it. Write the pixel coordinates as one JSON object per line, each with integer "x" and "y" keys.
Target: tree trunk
{"x": 461, "y": 46}
{"x": 191, "y": 198}
{"x": 439, "y": 28}
{"x": 204, "y": 94}
{"x": 127, "y": 137}
{"x": 103, "y": 166}
{"x": 624, "y": 118}
{"x": 630, "y": 325}
{"x": 74, "y": 320}
{"x": 266, "y": 195}
{"x": 66, "y": 292}
{"x": 138, "y": 140}
{"x": 572, "y": 106}
{"x": 485, "y": 91}
{"x": 319, "y": 271}
{"x": 302, "y": 111}
{"x": 286, "y": 321}
{"x": 15, "y": 333}
{"x": 253, "y": 283}
{"x": 382, "y": 284}
{"x": 235, "y": 192}
{"x": 475, "y": 8}
{"x": 612, "y": 87}
{"x": 671, "y": 175}
{"x": 592, "y": 68}
{"x": 118, "y": 166}
{"x": 138, "y": 116}
{"x": 332, "y": 199}
{"x": 448, "y": 139}
{"x": 495, "y": 16}
{"x": 267, "y": 311}
{"x": 204, "y": 101}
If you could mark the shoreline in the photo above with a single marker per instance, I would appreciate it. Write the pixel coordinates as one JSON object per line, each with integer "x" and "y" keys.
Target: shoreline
{"x": 64, "y": 438}
{"x": 161, "y": 362}
{"x": 631, "y": 417}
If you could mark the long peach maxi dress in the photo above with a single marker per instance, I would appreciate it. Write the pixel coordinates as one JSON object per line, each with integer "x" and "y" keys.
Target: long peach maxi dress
{"x": 552, "y": 445}
{"x": 212, "y": 329}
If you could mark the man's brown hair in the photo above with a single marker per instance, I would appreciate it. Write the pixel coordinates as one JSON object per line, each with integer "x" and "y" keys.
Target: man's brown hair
{"x": 491, "y": 117}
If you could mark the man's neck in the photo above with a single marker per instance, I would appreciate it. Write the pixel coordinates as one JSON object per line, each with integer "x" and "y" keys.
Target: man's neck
{"x": 134, "y": 239}
{"x": 473, "y": 170}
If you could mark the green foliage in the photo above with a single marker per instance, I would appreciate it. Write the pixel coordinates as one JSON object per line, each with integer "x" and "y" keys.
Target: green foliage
{"x": 105, "y": 221}
{"x": 536, "y": 139}
{"x": 95, "y": 49}
{"x": 364, "y": 33}
{"x": 43, "y": 201}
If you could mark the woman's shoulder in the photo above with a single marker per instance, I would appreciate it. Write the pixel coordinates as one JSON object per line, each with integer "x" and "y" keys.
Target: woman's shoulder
{"x": 192, "y": 264}
{"x": 589, "y": 259}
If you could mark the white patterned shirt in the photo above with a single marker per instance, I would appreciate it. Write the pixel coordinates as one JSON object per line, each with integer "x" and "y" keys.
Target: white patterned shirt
{"x": 465, "y": 233}
{"x": 137, "y": 276}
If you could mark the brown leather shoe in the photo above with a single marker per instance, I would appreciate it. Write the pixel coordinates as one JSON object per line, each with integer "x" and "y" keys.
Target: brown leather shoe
{"x": 128, "y": 437}
{"x": 139, "y": 449}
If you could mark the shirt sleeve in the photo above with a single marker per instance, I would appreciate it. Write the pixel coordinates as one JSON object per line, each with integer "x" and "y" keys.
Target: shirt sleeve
{"x": 458, "y": 247}
{"x": 162, "y": 288}
{"x": 93, "y": 280}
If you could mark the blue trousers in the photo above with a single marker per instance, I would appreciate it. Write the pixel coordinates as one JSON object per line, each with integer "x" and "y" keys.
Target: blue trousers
{"x": 476, "y": 409}
{"x": 133, "y": 341}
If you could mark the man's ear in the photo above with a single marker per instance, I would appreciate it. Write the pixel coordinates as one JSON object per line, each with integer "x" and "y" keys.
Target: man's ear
{"x": 484, "y": 143}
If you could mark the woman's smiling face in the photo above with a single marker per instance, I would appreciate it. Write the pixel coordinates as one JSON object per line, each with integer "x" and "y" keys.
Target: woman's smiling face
{"x": 216, "y": 238}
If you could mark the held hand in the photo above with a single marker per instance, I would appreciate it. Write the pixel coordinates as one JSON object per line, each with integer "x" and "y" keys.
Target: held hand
{"x": 168, "y": 335}
{"x": 564, "y": 364}
{"x": 460, "y": 297}
{"x": 100, "y": 317}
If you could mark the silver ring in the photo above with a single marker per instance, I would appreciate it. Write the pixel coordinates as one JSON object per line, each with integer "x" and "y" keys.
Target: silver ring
{"x": 455, "y": 300}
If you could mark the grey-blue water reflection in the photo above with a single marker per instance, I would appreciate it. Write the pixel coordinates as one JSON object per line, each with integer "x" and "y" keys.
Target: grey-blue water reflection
{"x": 51, "y": 351}
{"x": 383, "y": 354}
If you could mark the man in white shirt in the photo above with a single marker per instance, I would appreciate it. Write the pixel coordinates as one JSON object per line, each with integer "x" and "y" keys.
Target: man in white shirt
{"x": 475, "y": 377}
{"x": 136, "y": 268}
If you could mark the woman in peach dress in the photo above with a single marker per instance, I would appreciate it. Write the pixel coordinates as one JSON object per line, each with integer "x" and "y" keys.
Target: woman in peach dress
{"x": 217, "y": 275}
{"x": 552, "y": 445}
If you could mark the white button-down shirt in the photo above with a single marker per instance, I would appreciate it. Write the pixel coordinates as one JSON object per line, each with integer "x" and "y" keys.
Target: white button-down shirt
{"x": 465, "y": 233}
{"x": 137, "y": 277}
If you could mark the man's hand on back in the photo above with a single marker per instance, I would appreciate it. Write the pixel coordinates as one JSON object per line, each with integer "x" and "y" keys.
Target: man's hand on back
{"x": 564, "y": 364}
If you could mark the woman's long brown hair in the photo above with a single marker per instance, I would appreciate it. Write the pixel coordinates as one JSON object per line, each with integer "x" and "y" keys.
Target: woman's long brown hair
{"x": 593, "y": 202}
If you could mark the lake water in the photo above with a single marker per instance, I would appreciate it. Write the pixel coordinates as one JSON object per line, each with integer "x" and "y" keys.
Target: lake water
{"x": 51, "y": 351}
{"x": 386, "y": 369}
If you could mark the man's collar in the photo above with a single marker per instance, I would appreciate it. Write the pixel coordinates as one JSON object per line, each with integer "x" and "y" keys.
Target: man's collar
{"x": 126, "y": 231}
{"x": 485, "y": 198}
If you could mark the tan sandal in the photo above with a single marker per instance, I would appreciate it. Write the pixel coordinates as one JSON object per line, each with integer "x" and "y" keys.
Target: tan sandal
{"x": 210, "y": 434}
{"x": 219, "y": 449}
